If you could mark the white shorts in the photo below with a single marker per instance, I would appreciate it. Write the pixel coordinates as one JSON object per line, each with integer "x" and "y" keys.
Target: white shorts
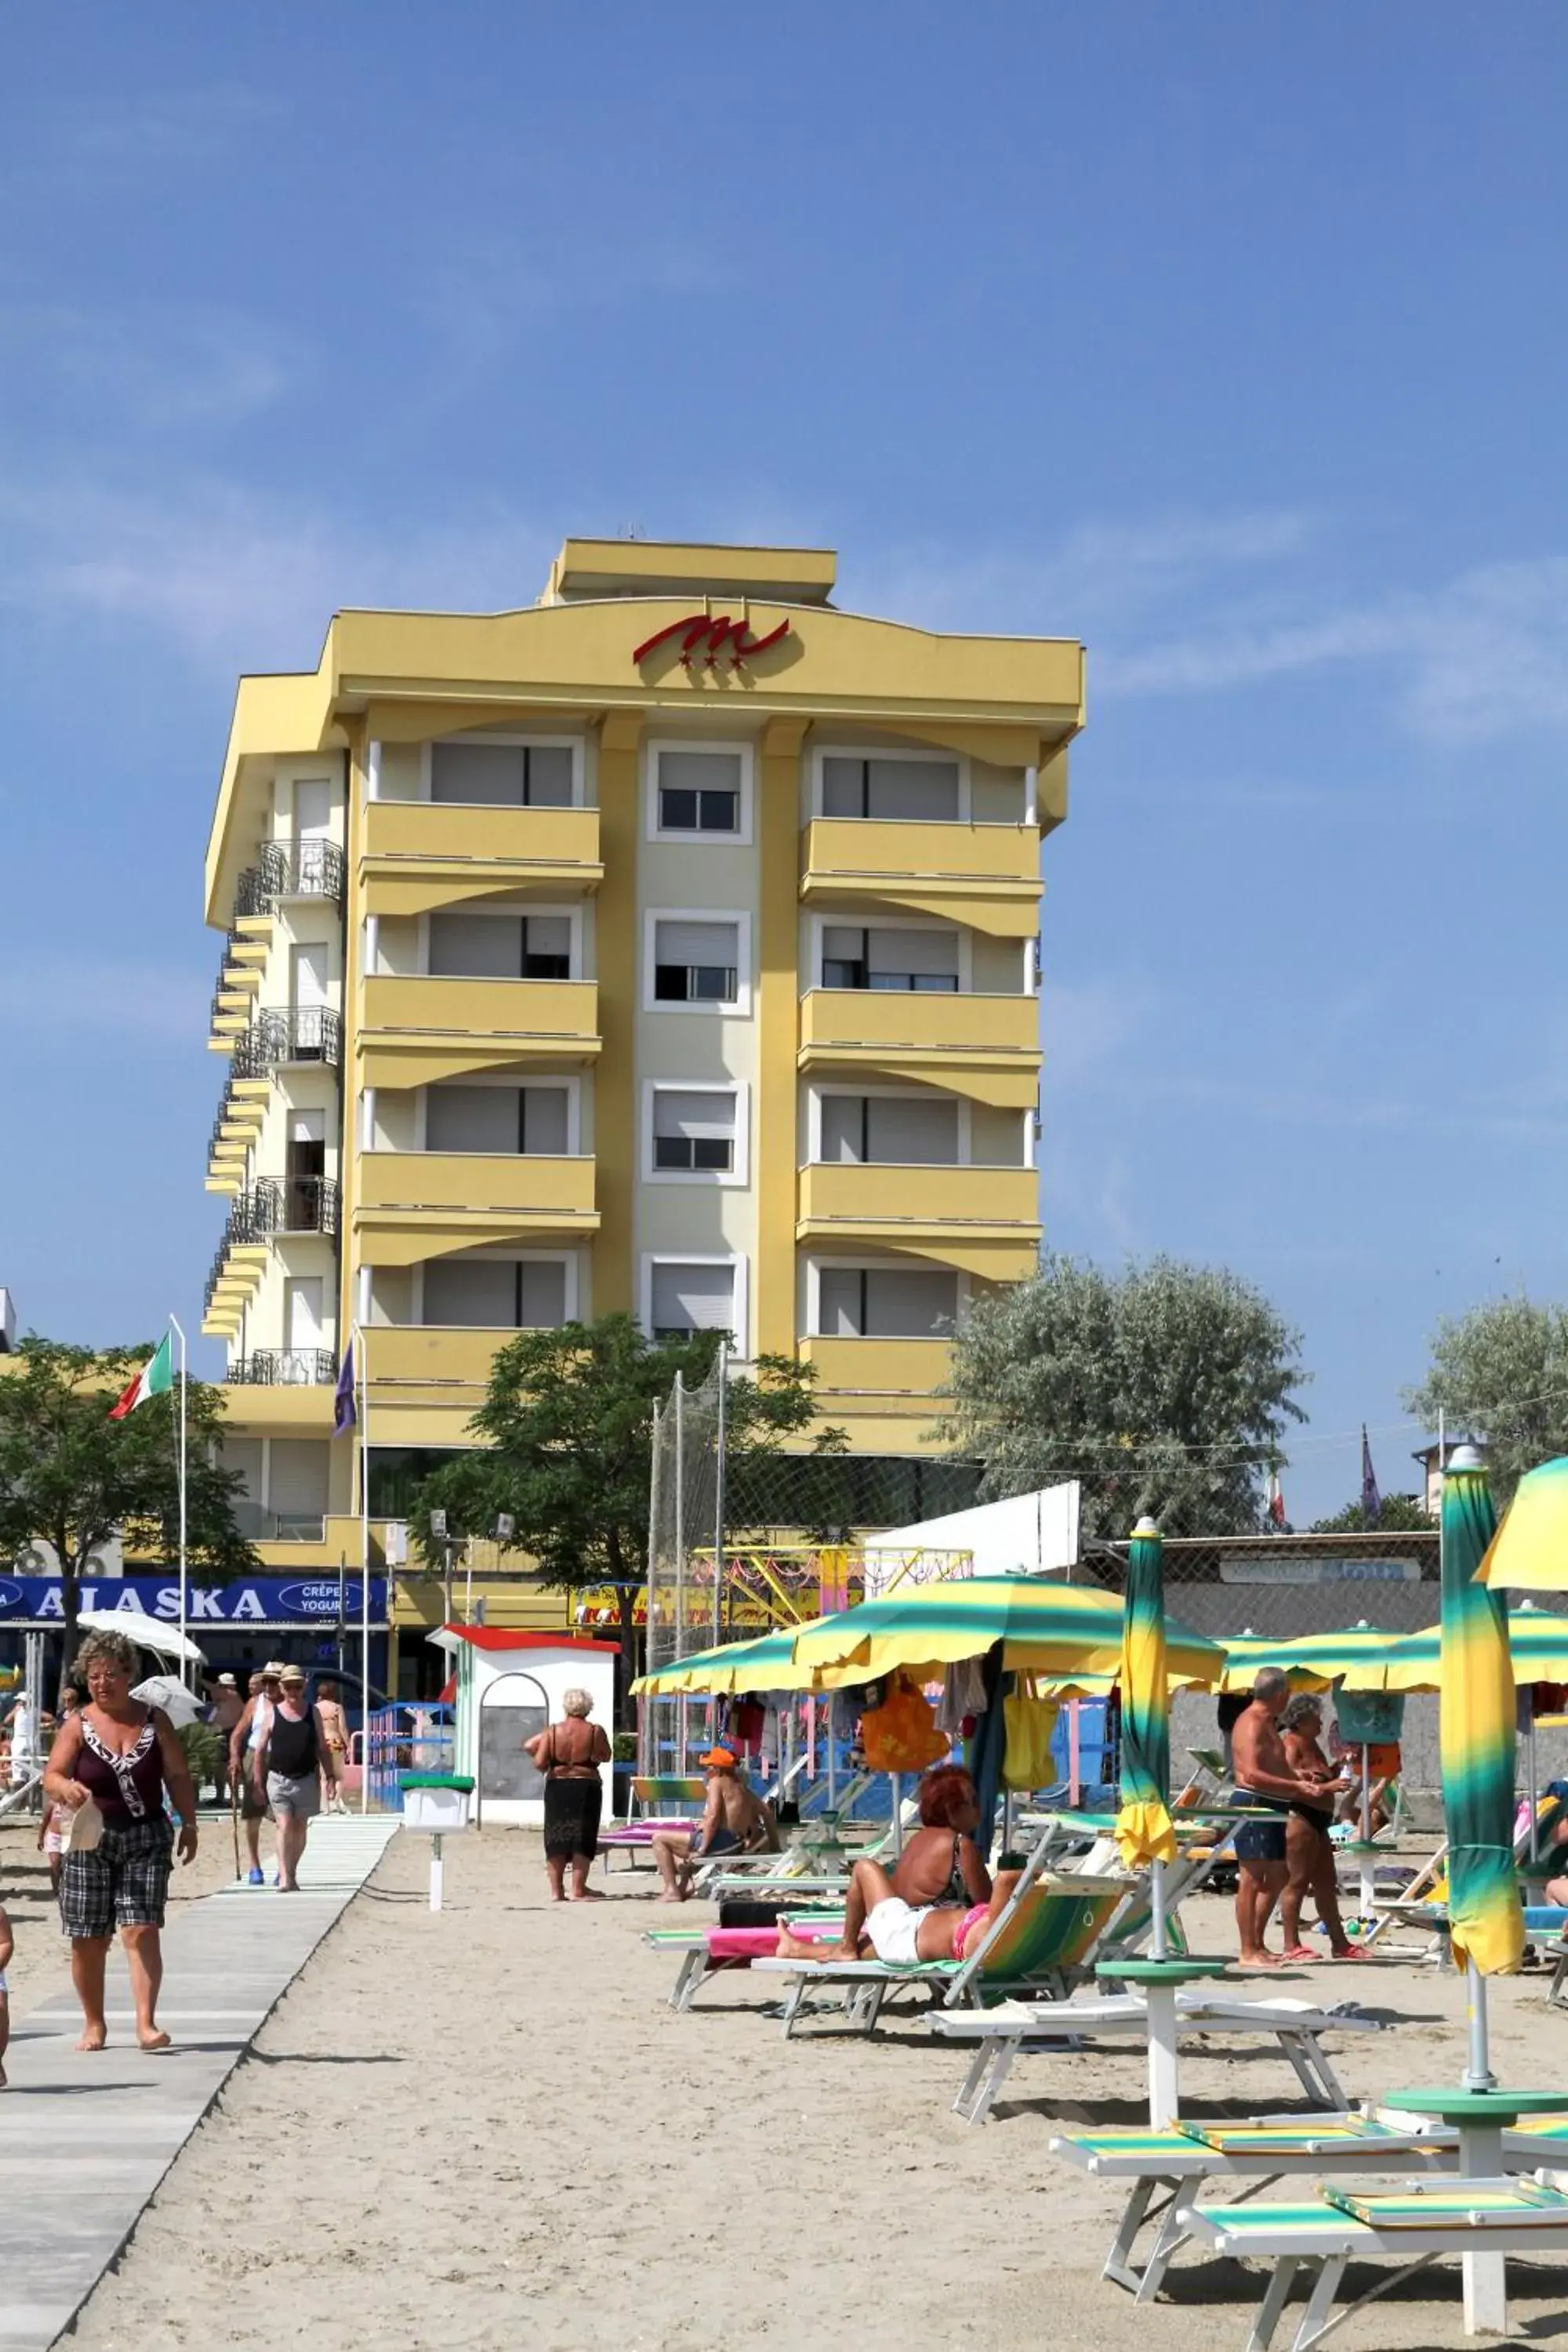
{"x": 894, "y": 1926}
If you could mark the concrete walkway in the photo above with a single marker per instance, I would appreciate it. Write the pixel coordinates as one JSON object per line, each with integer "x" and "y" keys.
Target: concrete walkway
{"x": 85, "y": 2141}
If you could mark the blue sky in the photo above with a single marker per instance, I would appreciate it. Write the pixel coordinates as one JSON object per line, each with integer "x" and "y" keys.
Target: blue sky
{"x": 1231, "y": 340}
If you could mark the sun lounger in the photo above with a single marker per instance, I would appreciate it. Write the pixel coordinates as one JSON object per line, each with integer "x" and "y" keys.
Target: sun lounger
{"x": 1023, "y": 2027}
{"x": 1158, "y": 2165}
{"x": 1469, "y": 2217}
{"x": 707, "y": 1952}
{"x": 1043, "y": 1940}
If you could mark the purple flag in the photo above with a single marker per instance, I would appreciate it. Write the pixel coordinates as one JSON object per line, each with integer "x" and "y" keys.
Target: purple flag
{"x": 1371, "y": 1500}
{"x": 345, "y": 1411}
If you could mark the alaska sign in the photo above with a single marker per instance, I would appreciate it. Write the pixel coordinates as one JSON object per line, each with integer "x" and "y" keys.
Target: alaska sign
{"x": 706, "y": 638}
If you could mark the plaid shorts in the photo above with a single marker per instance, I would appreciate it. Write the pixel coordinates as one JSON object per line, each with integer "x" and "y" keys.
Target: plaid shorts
{"x": 123, "y": 1883}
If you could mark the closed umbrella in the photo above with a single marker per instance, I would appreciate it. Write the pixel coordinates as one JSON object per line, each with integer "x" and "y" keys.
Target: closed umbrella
{"x": 1144, "y": 1831}
{"x": 1477, "y": 1736}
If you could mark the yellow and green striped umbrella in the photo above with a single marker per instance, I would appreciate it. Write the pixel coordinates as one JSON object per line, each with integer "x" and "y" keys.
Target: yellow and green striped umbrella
{"x": 766, "y": 1663}
{"x": 1144, "y": 1831}
{"x": 1537, "y": 1641}
{"x": 1043, "y": 1627}
{"x": 1530, "y": 1550}
{"x": 1313, "y": 1661}
{"x": 1476, "y": 1732}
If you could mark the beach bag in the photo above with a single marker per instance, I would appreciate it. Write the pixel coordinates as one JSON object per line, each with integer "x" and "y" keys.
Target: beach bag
{"x": 900, "y": 1735}
{"x": 1030, "y": 1724}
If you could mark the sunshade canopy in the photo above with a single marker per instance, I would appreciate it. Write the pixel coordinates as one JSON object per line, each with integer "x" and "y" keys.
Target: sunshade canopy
{"x": 1530, "y": 1550}
{"x": 1538, "y": 1644}
{"x": 1313, "y": 1661}
{"x": 766, "y": 1663}
{"x": 1044, "y": 1628}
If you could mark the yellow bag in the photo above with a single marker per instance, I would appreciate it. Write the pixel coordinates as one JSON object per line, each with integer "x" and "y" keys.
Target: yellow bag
{"x": 1030, "y": 1726}
{"x": 900, "y": 1735}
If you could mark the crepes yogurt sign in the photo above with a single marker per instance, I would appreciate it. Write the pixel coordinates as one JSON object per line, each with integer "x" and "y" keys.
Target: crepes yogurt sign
{"x": 255, "y": 1600}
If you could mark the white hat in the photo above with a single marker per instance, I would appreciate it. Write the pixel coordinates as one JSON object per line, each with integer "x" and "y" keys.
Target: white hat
{"x": 226, "y": 1682}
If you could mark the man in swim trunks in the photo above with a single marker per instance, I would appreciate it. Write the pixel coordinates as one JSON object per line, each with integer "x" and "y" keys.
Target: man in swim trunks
{"x": 1309, "y": 1850}
{"x": 735, "y": 1821}
{"x": 1264, "y": 1778}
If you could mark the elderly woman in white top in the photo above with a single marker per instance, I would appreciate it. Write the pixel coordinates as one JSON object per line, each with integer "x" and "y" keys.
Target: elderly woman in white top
{"x": 570, "y": 1754}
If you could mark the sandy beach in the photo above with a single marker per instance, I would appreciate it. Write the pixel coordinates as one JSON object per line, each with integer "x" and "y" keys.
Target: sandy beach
{"x": 487, "y": 2129}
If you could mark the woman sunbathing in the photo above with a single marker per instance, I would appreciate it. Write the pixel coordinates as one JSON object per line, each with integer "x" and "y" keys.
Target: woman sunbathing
{"x": 937, "y": 1895}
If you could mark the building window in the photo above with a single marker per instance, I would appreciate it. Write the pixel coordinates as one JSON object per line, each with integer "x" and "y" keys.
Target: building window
{"x": 686, "y": 1294}
{"x": 857, "y": 1302}
{"x": 886, "y": 786}
{"x": 899, "y": 1130}
{"x": 503, "y": 775}
{"x": 466, "y": 1117}
{"x": 700, "y": 791}
{"x": 883, "y": 957}
{"x": 695, "y": 1131}
{"x": 496, "y": 1294}
{"x": 468, "y": 946}
{"x": 696, "y": 960}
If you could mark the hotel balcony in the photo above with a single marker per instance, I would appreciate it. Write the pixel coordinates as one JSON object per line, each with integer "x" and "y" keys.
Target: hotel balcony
{"x": 443, "y": 1363}
{"x": 276, "y": 1367}
{"x": 311, "y": 1039}
{"x": 986, "y": 1047}
{"x": 421, "y": 854}
{"x": 271, "y": 1209}
{"x": 879, "y": 1368}
{"x": 417, "y": 1030}
{"x": 984, "y": 1220}
{"x": 413, "y": 1205}
{"x": 985, "y": 875}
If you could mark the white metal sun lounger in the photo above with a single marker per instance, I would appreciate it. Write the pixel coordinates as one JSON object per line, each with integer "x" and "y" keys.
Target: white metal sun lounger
{"x": 1474, "y": 2218}
{"x": 1015, "y": 2027}
{"x": 1160, "y": 2169}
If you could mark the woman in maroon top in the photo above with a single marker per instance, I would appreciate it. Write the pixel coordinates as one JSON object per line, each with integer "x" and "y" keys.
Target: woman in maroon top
{"x": 123, "y": 1756}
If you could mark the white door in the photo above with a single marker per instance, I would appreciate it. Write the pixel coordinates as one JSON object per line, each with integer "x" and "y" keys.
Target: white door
{"x": 312, "y": 811}
{"x": 308, "y": 977}
{"x": 302, "y": 1313}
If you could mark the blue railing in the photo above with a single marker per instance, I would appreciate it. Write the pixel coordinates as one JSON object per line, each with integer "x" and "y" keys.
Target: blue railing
{"x": 410, "y": 1736}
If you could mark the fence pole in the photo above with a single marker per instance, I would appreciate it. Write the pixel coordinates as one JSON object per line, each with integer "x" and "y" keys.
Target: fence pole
{"x": 719, "y": 1498}
{"x": 680, "y": 1704}
{"x": 648, "y": 1709}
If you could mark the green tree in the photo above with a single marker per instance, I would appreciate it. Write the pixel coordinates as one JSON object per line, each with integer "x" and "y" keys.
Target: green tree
{"x": 1400, "y": 1513}
{"x": 72, "y": 1478}
{"x": 567, "y": 1447}
{"x": 1166, "y": 1388}
{"x": 1499, "y": 1373}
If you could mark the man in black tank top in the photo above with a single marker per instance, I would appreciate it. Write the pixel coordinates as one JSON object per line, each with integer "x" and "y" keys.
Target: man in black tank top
{"x": 293, "y": 1764}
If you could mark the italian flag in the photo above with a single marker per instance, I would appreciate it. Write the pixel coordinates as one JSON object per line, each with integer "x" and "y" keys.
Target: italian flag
{"x": 156, "y": 1378}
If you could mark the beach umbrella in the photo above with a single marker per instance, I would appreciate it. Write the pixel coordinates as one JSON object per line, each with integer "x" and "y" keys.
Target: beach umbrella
{"x": 181, "y": 1706}
{"x": 147, "y": 1633}
{"x": 1530, "y": 1550}
{"x": 1043, "y": 1626}
{"x": 1313, "y": 1662}
{"x": 1143, "y": 1828}
{"x": 1144, "y": 1831}
{"x": 1476, "y": 1731}
{"x": 766, "y": 1663}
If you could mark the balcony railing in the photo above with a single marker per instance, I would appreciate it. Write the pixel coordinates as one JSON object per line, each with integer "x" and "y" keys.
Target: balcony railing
{"x": 273, "y": 1205}
{"x": 291, "y": 869}
{"x": 282, "y": 1368}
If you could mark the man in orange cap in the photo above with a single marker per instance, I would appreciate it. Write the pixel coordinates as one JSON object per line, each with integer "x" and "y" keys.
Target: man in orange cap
{"x": 735, "y": 1821}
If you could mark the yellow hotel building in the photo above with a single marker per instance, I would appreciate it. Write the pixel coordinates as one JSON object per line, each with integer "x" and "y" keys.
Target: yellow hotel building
{"x": 670, "y": 946}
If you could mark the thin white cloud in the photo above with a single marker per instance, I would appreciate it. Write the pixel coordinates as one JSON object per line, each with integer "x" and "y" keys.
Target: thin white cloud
{"x": 154, "y": 369}
{"x": 1480, "y": 657}
{"x": 243, "y": 580}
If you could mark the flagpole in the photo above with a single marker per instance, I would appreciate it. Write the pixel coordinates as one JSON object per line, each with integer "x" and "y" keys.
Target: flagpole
{"x": 356, "y": 1332}
{"x": 178, "y": 1328}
